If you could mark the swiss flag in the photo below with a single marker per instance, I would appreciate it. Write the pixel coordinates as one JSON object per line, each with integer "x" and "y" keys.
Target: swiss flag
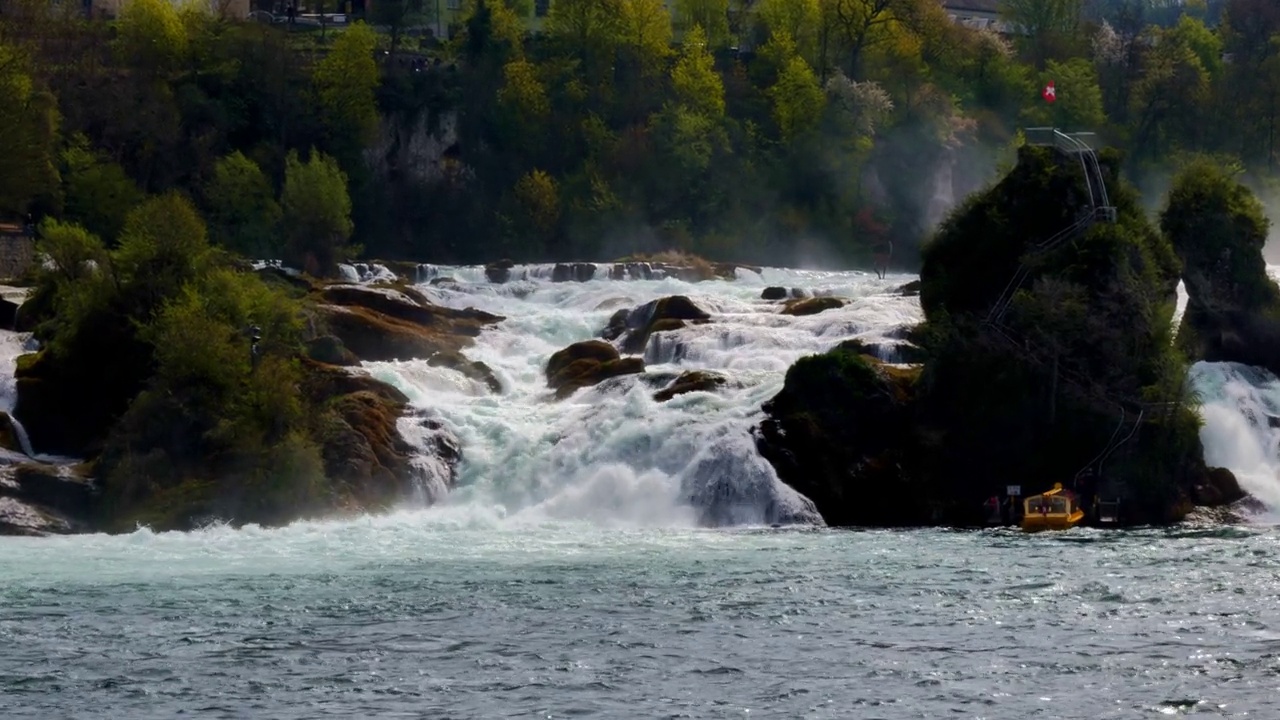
{"x": 1050, "y": 94}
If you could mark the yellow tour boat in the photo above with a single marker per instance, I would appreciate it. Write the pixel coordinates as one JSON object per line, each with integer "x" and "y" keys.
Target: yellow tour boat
{"x": 1052, "y": 510}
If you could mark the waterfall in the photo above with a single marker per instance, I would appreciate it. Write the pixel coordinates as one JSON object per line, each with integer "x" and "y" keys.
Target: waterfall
{"x": 612, "y": 454}
{"x": 1241, "y": 431}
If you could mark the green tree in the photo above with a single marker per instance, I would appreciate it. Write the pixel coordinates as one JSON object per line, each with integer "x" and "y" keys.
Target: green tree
{"x": 242, "y": 210}
{"x": 711, "y": 15}
{"x": 1048, "y": 28}
{"x": 317, "y": 214}
{"x": 646, "y": 32}
{"x": 797, "y": 18}
{"x": 29, "y": 119}
{"x": 163, "y": 246}
{"x": 797, "y": 99}
{"x": 98, "y": 193}
{"x": 1078, "y": 105}
{"x": 152, "y": 36}
{"x": 697, "y": 85}
{"x": 346, "y": 80}
{"x": 591, "y": 30}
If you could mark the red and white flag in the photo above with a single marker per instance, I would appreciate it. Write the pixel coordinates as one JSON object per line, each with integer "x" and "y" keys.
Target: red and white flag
{"x": 1050, "y": 93}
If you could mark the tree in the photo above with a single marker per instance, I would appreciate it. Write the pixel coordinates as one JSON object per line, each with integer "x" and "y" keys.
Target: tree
{"x": 797, "y": 18}
{"x": 395, "y": 15}
{"x": 697, "y": 85}
{"x": 711, "y": 15}
{"x": 797, "y": 99}
{"x": 1047, "y": 27}
{"x": 539, "y": 201}
{"x": 346, "y": 80}
{"x": 1078, "y": 106}
{"x": 646, "y": 33}
{"x": 317, "y": 214}
{"x": 243, "y": 213}
{"x": 98, "y": 193}
{"x": 590, "y": 30}
{"x": 152, "y": 36}
{"x": 29, "y": 119}
{"x": 163, "y": 246}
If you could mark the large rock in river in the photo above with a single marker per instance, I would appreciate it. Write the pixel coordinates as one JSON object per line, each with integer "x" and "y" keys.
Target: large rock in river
{"x": 587, "y": 363}
{"x": 1219, "y": 230}
{"x": 840, "y": 432}
{"x": 632, "y": 328}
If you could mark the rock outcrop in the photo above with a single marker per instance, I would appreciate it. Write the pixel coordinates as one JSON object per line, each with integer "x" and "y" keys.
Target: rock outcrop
{"x": 692, "y": 381}
{"x": 1026, "y": 385}
{"x": 841, "y": 433}
{"x": 632, "y": 328}
{"x": 1219, "y": 231}
{"x": 811, "y": 306}
{"x": 587, "y": 363}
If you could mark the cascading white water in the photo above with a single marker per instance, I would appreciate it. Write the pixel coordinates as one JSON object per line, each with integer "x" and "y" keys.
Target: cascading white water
{"x": 1241, "y": 431}
{"x": 612, "y": 454}
{"x": 13, "y": 344}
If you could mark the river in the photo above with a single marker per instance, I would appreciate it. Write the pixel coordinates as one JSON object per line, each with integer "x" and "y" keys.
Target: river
{"x": 567, "y": 576}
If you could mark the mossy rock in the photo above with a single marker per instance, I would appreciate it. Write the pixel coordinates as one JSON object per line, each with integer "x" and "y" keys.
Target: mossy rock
{"x": 409, "y": 305}
{"x": 473, "y": 369}
{"x": 841, "y": 432}
{"x": 811, "y": 306}
{"x": 329, "y": 349}
{"x": 587, "y": 363}
{"x": 656, "y": 316}
{"x": 692, "y": 381}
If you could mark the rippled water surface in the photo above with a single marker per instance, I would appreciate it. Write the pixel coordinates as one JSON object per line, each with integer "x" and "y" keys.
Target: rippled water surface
{"x": 413, "y": 615}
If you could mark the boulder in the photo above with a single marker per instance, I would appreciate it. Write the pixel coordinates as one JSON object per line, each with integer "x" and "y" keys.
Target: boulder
{"x": 8, "y": 314}
{"x": 911, "y": 289}
{"x": 1218, "y": 489}
{"x": 692, "y": 381}
{"x": 473, "y": 369}
{"x": 774, "y": 293}
{"x": 392, "y": 324}
{"x": 573, "y": 272}
{"x": 362, "y": 446}
{"x": 409, "y": 305}
{"x": 444, "y": 280}
{"x": 587, "y": 363}
{"x": 24, "y": 519}
{"x": 40, "y": 499}
{"x": 499, "y": 271}
{"x": 1219, "y": 231}
{"x": 329, "y": 349}
{"x": 294, "y": 283}
{"x": 667, "y": 313}
{"x": 811, "y": 306}
{"x": 840, "y": 432}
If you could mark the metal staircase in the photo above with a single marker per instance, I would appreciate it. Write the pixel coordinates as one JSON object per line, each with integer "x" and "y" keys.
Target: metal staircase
{"x": 1099, "y": 209}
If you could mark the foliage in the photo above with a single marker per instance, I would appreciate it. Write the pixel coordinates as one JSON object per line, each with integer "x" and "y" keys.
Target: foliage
{"x": 242, "y": 210}
{"x": 317, "y": 213}
{"x": 346, "y": 80}
{"x": 30, "y": 121}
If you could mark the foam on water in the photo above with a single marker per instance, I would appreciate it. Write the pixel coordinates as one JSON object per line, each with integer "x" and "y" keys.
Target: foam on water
{"x": 611, "y": 454}
{"x": 1241, "y": 431}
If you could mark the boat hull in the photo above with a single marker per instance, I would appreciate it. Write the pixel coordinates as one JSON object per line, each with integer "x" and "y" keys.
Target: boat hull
{"x": 1052, "y": 521}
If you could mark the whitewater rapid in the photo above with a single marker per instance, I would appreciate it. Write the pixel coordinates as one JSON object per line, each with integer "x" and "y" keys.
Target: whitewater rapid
{"x": 611, "y": 454}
